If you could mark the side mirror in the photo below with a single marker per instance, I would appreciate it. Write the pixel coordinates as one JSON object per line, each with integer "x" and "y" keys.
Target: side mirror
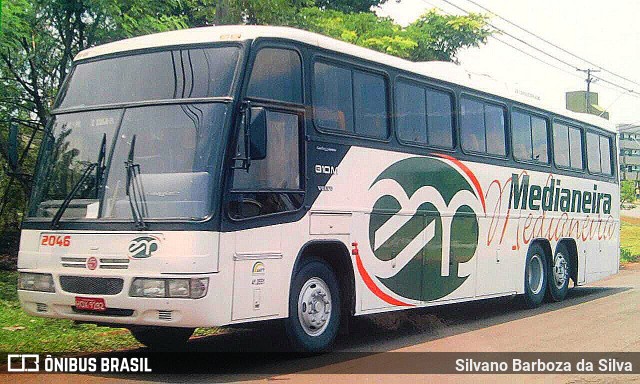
{"x": 257, "y": 133}
{"x": 13, "y": 146}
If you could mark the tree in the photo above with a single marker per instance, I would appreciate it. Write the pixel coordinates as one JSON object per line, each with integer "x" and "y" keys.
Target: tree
{"x": 39, "y": 38}
{"x": 627, "y": 191}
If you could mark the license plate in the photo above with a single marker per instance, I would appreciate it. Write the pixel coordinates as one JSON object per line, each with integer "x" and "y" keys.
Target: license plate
{"x": 91, "y": 304}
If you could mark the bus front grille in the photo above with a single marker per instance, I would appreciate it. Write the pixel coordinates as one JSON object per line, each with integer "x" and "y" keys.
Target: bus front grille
{"x": 105, "y": 263}
{"x": 91, "y": 285}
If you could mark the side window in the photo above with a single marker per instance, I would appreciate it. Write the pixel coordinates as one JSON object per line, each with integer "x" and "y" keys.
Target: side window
{"x": 370, "y": 104}
{"x": 530, "y": 139}
{"x": 561, "y": 145}
{"x": 567, "y": 146}
{"x": 483, "y": 127}
{"x": 575, "y": 147}
{"x": 276, "y": 75}
{"x": 273, "y": 184}
{"x": 332, "y": 97}
{"x": 599, "y": 153}
{"x": 349, "y": 100}
{"x": 424, "y": 116}
{"x": 411, "y": 121}
{"x": 593, "y": 153}
{"x": 605, "y": 155}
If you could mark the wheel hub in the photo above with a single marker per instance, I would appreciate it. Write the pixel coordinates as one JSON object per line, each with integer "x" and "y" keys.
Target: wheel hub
{"x": 314, "y": 306}
{"x": 560, "y": 270}
{"x": 535, "y": 273}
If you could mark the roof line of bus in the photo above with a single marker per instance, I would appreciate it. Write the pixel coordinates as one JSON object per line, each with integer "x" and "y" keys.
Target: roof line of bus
{"x": 447, "y": 72}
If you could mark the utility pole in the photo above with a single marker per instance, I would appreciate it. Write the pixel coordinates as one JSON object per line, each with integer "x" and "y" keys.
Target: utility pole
{"x": 590, "y": 79}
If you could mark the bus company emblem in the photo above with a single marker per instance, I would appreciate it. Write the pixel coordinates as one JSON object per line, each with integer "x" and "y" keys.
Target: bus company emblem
{"x": 423, "y": 229}
{"x": 143, "y": 247}
{"x": 258, "y": 268}
{"x": 92, "y": 263}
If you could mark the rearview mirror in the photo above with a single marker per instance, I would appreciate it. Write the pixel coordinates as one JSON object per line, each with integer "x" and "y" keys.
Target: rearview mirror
{"x": 13, "y": 146}
{"x": 257, "y": 132}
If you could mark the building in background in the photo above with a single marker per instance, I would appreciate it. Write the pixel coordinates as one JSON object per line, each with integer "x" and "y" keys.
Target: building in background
{"x": 629, "y": 157}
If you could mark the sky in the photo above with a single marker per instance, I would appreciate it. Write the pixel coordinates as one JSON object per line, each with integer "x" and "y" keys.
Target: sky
{"x": 605, "y": 33}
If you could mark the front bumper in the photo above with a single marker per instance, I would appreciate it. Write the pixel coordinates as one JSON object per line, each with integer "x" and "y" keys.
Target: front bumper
{"x": 208, "y": 311}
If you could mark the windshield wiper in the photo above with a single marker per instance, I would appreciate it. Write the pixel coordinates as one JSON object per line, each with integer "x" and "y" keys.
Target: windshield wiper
{"x": 133, "y": 187}
{"x": 55, "y": 222}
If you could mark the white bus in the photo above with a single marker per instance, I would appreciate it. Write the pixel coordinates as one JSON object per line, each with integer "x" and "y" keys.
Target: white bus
{"x": 227, "y": 175}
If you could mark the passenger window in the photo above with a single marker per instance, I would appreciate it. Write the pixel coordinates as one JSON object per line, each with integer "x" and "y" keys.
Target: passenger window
{"x": 529, "y": 137}
{"x": 332, "y": 97}
{"x": 424, "y": 115}
{"x": 605, "y": 155}
{"x": 411, "y": 120}
{"x": 593, "y": 153}
{"x": 575, "y": 147}
{"x": 370, "y": 105}
{"x": 472, "y": 126}
{"x": 483, "y": 127}
{"x": 440, "y": 118}
{"x": 276, "y": 75}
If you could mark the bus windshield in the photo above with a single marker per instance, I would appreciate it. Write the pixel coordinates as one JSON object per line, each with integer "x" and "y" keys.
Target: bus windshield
{"x": 177, "y": 141}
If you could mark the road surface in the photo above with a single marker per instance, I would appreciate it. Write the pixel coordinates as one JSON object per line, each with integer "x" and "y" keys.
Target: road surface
{"x": 601, "y": 317}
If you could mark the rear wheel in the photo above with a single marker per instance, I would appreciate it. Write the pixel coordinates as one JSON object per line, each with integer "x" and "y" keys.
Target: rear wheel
{"x": 535, "y": 276}
{"x": 162, "y": 338}
{"x": 559, "y": 275}
{"x": 314, "y": 307}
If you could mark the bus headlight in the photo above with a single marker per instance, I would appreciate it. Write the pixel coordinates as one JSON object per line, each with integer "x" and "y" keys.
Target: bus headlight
{"x": 194, "y": 288}
{"x": 42, "y": 282}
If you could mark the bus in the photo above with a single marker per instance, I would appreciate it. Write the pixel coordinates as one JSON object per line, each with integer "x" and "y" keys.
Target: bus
{"x": 238, "y": 174}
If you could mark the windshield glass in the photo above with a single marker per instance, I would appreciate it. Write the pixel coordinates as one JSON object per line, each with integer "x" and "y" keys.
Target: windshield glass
{"x": 177, "y": 143}
{"x": 175, "y": 74}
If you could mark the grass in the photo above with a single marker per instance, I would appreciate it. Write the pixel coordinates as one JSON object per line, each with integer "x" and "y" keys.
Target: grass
{"x": 629, "y": 240}
{"x": 37, "y": 334}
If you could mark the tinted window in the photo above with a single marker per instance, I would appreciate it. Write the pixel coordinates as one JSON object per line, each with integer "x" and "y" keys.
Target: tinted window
{"x": 332, "y": 97}
{"x": 370, "y": 103}
{"x": 494, "y": 121}
{"x": 605, "y": 155}
{"x": 575, "y": 147}
{"x": 521, "y": 131}
{"x": 483, "y": 127}
{"x": 561, "y": 145}
{"x": 424, "y": 115}
{"x": 276, "y": 75}
{"x": 529, "y": 137}
{"x": 411, "y": 120}
{"x": 540, "y": 138}
{"x": 593, "y": 153}
{"x": 472, "y": 126}
{"x": 188, "y": 73}
{"x": 440, "y": 118}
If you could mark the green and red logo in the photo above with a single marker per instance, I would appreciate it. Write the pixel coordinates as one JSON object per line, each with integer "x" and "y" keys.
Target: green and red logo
{"x": 423, "y": 230}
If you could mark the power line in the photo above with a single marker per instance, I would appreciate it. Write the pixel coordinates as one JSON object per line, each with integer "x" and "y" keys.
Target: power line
{"x": 630, "y": 91}
{"x": 552, "y": 44}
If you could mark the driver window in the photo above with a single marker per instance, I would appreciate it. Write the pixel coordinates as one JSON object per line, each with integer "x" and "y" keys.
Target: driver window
{"x": 273, "y": 184}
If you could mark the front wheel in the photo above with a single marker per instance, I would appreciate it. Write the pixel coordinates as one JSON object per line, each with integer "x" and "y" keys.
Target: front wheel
{"x": 535, "y": 276}
{"x": 314, "y": 308}
{"x": 162, "y": 338}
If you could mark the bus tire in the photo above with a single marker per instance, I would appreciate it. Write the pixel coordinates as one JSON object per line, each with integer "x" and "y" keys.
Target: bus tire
{"x": 535, "y": 276}
{"x": 558, "y": 276}
{"x": 314, "y": 308}
{"x": 162, "y": 338}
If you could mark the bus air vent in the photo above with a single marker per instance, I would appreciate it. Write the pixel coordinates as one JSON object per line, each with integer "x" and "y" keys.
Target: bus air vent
{"x": 41, "y": 307}
{"x": 164, "y": 315}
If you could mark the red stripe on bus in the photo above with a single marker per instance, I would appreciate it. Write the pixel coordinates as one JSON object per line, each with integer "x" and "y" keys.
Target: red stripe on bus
{"x": 374, "y": 288}
{"x": 466, "y": 170}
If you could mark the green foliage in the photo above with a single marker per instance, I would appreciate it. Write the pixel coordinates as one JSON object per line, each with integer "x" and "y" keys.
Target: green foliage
{"x": 39, "y": 38}
{"x": 627, "y": 191}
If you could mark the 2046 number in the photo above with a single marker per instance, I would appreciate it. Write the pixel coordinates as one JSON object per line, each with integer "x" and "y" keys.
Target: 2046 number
{"x": 56, "y": 241}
